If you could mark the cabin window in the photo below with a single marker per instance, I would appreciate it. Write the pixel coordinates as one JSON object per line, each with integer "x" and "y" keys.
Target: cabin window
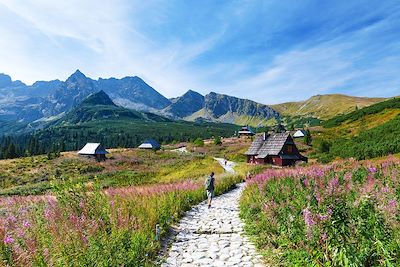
{"x": 290, "y": 149}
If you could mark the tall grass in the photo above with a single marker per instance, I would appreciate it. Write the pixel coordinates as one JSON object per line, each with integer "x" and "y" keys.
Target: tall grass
{"x": 82, "y": 225}
{"x": 342, "y": 214}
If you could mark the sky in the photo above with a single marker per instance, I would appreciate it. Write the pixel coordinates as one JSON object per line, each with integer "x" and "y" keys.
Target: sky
{"x": 270, "y": 51}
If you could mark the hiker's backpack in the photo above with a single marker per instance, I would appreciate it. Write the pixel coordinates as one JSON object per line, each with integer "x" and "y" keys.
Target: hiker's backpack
{"x": 209, "y": 183}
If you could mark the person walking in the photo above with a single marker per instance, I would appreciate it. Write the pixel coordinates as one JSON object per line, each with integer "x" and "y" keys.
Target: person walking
{"x": 209, "y": 185}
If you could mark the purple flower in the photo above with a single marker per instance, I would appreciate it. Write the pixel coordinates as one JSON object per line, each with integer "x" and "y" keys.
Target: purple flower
{"x": 392, "y": 203}
{"x": 308, "y": 217}
{"x": 8, "y": 240}
{"x": 323, "y": 217}
{"x": 318, "y": 198}
{"x": 372, "y": 169}
{"x": 26, "y": 224}
{"x": 324, "y": 237}
{"x": 385, "y": 189}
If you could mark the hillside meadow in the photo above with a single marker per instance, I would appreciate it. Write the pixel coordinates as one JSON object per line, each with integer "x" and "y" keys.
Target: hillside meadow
{"x": 341, "y": 214}
{"x": 125, "y": 167}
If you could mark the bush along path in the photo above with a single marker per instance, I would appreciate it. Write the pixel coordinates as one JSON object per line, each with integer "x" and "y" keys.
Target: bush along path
{"x": 213, "y": 237}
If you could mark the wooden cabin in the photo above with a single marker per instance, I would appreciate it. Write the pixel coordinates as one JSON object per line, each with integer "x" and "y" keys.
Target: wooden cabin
{"x": 245, "y": 131}
{"x": 276, "y": 149}
{"x": 150, "y": 144}
{"x": 94, "y": 150}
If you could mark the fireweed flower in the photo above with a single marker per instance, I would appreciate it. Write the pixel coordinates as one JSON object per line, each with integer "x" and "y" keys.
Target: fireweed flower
{"x": 8, "y": 240}
{"x": 318, "y": 198}
{"x": 333, "y": 184}
{"x": 324, "y": 237}
{"x": 385, "y": 189}
{"x": 308, "y": 217}
{"x": 392, "y": 203}
{"x": 325, "y": 217}
{"x": 372, "y": 169}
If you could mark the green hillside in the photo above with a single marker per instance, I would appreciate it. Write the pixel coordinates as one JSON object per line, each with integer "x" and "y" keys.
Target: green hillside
{"x": 358, "y": 114}
{"x": 365, "y": 133}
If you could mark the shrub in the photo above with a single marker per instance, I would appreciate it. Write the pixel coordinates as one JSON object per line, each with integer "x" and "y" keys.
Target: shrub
{"x": 217, "y": 140}
{"x": 198, "y": 142}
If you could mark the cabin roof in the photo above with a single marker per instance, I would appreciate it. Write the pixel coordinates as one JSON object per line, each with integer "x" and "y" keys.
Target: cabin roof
{"x": 93, "y": 149}
{"x": 246, "y": 130}
{"x": 150, "y": 144}
{"x": 299, "y": 133}
{"x": 273, "y": 145}
{"x": 255, "y": 146}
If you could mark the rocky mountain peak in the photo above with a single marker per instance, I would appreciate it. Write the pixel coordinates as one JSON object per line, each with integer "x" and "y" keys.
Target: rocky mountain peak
{"x": 77, "y": 77}
{"x": 5, "y": 80}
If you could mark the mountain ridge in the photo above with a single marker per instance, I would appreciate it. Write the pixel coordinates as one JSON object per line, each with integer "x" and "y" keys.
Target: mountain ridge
{"x": 325, "y": 106}
{"x": 44, "y": 100}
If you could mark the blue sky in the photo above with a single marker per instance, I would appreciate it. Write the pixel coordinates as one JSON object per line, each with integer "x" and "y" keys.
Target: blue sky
{"x": 269, "y": 51}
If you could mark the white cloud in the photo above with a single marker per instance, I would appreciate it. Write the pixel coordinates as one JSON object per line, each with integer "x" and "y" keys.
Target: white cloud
{"x": 100, "y": 39}
{"x": 44, "y": 39}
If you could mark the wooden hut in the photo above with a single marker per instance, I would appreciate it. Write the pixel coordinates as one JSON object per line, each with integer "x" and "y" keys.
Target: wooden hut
{"x": 150, "y": 144}
{"x": 94, "y": 150}
{"x": 245, "y": 131}
{"x": 277, "y": 149}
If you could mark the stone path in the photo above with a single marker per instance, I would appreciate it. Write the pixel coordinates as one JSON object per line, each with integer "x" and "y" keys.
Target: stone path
{"x": 229, "y": 166}
{"x": 213, "y": 237}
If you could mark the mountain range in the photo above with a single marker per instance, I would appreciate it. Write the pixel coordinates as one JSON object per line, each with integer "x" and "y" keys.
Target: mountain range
{"x": 50, "y": 101}
{"x": 44, "y": 100}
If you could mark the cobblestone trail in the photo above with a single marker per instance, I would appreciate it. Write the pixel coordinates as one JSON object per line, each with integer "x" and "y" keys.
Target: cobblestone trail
{"x": 213, "y": 237}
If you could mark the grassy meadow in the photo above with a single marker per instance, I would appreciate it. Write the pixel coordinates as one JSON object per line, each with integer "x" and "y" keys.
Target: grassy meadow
{"x": 73, "y": 211}
{"x": 342, "y": 214}
{"x": 125, "y": 167}
{"x": 81, "y": 224}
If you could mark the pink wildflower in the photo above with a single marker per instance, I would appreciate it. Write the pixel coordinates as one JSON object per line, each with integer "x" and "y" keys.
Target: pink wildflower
{"x": 385, "y": 189}
{"x": 318, "y": 198}
{"x": 323, "y": 217}
{"x": 8, "y": 240}
{"x": 324, "y": 237}
{"x": 308, "y": 217}
{"x": 392, "y": 203}
{"x": 26, "y": 224}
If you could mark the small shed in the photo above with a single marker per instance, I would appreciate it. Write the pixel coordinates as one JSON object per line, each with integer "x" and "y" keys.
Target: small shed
{"x": 276, "y": 149}
{"x": 150, "y": 144}
{"x": 245, "y": 131}
{"x": 94, "y": 150}
{"x": 299, "y": 133}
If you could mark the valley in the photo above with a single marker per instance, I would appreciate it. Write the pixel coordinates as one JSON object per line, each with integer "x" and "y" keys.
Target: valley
{"x": 59, "y": 207}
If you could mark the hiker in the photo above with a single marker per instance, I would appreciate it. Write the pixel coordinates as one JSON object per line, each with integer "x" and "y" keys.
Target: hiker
{"x": 226, "y": 162}
{"x": 209, "y": 184}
